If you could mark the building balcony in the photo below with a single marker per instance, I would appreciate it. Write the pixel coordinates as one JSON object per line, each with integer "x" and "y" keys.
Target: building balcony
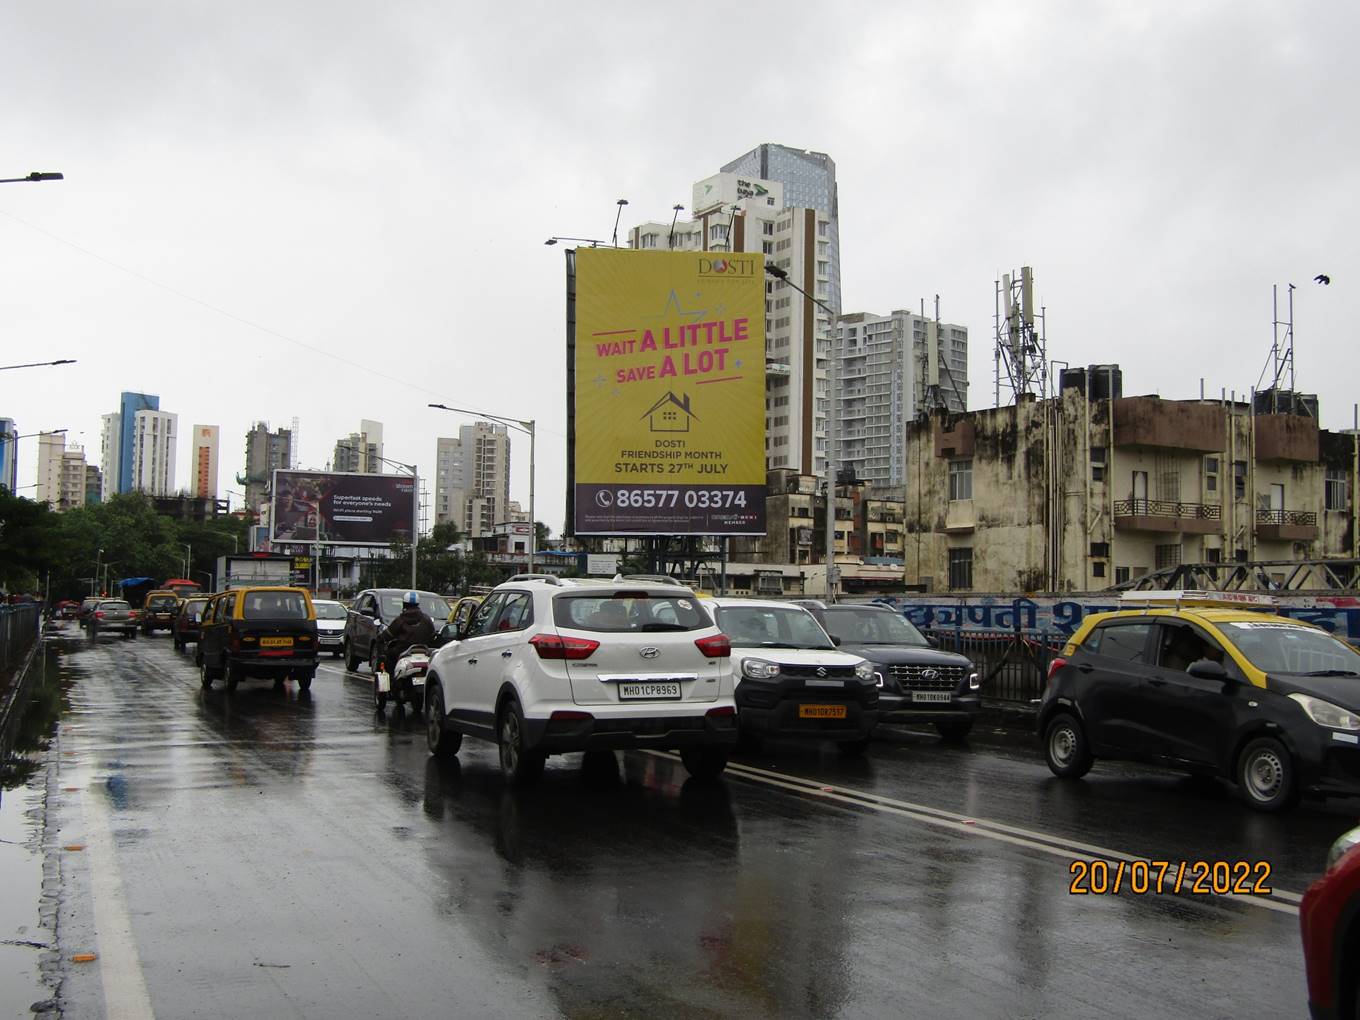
{"x": 1169, "y": 424}
{"x": 1286, "y": 437}
{"x": 960, "y": 517}
{"x": 1286, "y": 525}
{"x": 1167, "y": 516}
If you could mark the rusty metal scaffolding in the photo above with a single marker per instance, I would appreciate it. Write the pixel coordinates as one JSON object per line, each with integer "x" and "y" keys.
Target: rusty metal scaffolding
{"x": 1321, "y": 575}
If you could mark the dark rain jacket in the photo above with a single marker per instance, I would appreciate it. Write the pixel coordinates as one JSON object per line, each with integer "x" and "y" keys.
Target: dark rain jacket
{"x": 412, "y": 627}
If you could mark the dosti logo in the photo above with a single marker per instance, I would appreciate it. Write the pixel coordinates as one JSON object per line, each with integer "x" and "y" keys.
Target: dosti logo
{"x": 732, "y": 267}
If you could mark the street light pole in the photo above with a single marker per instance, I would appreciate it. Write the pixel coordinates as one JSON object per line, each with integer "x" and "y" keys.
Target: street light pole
{"x": 781, "y": 274}
{"x": 529, "y": 428}
{"x": 415, "y": 502}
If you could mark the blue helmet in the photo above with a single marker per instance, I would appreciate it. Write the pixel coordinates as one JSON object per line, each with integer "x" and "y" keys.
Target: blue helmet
{"x": 410, "y": 599}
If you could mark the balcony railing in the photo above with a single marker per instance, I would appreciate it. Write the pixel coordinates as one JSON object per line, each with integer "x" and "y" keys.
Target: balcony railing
{"x": 1306, "y": 518}
{"x": 1167, "y": 508}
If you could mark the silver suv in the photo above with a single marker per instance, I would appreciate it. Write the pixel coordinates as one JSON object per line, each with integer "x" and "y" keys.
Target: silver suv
{"x": 548, "y": 666}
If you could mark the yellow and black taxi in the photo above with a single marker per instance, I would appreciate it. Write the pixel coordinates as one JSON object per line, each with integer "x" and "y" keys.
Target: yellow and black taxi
{"x": 159, "y": 611}
{"x": 1213, "y": 683}
{"x": 460, "y": 616}
{"x": 264, "y": 632}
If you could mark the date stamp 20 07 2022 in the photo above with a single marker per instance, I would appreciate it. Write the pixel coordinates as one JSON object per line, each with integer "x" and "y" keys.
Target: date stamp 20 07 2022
{"x": 1199, "y": 878}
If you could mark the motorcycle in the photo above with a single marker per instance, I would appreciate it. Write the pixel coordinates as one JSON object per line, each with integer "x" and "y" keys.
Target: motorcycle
{"x": 406, "y": 682}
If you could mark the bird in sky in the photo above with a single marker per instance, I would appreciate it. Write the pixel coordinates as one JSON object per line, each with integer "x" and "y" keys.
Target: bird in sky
{"x": 1322, "y": 278}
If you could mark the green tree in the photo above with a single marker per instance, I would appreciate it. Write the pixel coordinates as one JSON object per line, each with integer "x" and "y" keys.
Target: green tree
{"x": 29, "y": 542}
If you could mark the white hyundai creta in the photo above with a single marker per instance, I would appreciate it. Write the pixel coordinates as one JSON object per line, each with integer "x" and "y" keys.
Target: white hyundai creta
{"x": 548, "y": 666}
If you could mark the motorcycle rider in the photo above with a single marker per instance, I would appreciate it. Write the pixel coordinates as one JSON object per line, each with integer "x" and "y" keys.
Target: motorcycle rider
{"x": 412, "y": 626}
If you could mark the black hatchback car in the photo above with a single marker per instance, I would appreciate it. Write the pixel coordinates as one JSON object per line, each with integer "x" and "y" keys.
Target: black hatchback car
{"x": 918, "y": 683}
{"x": 1269, "y": 703}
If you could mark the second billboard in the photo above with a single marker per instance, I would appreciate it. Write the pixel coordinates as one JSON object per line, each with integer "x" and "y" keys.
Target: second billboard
{"x": 331, "y": 508}
{"x": 670, "y": 393}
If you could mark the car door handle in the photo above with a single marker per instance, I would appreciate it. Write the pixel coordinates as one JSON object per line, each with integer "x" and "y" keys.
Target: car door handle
{"x": 506, "y": 654}
{"x": 1154, "y": 682}
{"x": 472, "y": 662}
{"x": 1085, "y": 667}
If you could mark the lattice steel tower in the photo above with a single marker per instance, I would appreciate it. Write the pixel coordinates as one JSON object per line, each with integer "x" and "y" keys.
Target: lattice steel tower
{"x": 1021, "y": 347}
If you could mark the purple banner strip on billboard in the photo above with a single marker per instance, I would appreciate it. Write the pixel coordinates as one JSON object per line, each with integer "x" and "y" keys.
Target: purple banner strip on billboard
{"x": 670, "y": 509}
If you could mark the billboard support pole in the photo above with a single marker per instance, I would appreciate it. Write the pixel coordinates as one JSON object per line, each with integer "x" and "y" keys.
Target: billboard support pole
{"x": 533, "y": 521}
{"x": 415, "y": 522}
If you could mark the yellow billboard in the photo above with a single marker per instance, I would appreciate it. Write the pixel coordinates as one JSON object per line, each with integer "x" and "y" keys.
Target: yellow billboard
{"x": 670, "y": 393}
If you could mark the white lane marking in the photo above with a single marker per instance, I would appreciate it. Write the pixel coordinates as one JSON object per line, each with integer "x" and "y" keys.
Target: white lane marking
{"x": 120, "y": 968}
{"x": 1057, "y": 846}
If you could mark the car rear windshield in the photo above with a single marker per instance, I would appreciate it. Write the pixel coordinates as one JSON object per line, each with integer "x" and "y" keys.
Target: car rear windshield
{"x": 273, "y": 605}
{"x": 629, "y": 612}
{"x": 104, "y": 606}
{"x": 1288, "y": 648}
{"x": 432, "y": 605}
{"x": 772, "y": 627}
{"x": 872, "y": 627}
{"x": 162, "y": 602}
{"x": 330, "y": 611}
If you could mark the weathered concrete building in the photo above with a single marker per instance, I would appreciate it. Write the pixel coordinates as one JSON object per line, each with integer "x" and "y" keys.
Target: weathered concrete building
{"x": 1092, "y": 488}
{"x": 869, "y": 523}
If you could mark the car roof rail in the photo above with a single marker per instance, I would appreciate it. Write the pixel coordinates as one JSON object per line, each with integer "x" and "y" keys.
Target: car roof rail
{"x": 550, "y": 578}
{"x": 653, "y": 578}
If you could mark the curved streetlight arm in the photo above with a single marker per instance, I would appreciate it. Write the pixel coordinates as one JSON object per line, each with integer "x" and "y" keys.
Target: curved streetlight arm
{"x": 6, "y": 437}
{"x": 529, "y": 428}
{"x": 386, "y": 460}
{"x": 36, "y": 175}
{"x": 593, "y": 242}
{"x": 39, "y": 364}
{"x": 781, "y": 274}
{"x": 415, "y": 499}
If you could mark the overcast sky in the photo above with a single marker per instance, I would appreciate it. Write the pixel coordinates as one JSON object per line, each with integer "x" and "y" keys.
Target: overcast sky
{"x": 337, "y": 210}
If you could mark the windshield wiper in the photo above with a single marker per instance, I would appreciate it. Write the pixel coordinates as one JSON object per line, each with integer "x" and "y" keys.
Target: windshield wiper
{"x": 652, "y": 628}
{"x": 1329, "y": 672}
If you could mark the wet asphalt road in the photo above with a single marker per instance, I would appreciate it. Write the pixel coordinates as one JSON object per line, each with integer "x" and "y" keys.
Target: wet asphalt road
{"x": 262, "y": 854}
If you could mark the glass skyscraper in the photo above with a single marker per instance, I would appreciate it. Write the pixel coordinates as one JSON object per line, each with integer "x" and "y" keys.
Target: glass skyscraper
{"x": 809, "y": 180}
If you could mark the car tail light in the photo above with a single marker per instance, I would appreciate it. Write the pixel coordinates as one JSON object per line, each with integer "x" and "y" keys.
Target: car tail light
{"x": 99, "y": 614}
{"x": 567, "y": 716}
{"x": 715, "y": 646}
{"x": 554, "y": 646}
{"x": 1053, "y": 667}
{"x": 720, "y": 711}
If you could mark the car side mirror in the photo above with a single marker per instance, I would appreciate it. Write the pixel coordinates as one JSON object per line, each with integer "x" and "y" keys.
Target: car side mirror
{"x": 1208, "y": 669}
{"x": 933, "y": 642}
{"x": 444, "y": 636}
{"x": 370, "y": 612}
{"x": 835, "y": 640}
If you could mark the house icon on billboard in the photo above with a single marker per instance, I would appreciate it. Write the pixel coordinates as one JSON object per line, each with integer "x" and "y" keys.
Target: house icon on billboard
{"x": 670, "y": 414}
